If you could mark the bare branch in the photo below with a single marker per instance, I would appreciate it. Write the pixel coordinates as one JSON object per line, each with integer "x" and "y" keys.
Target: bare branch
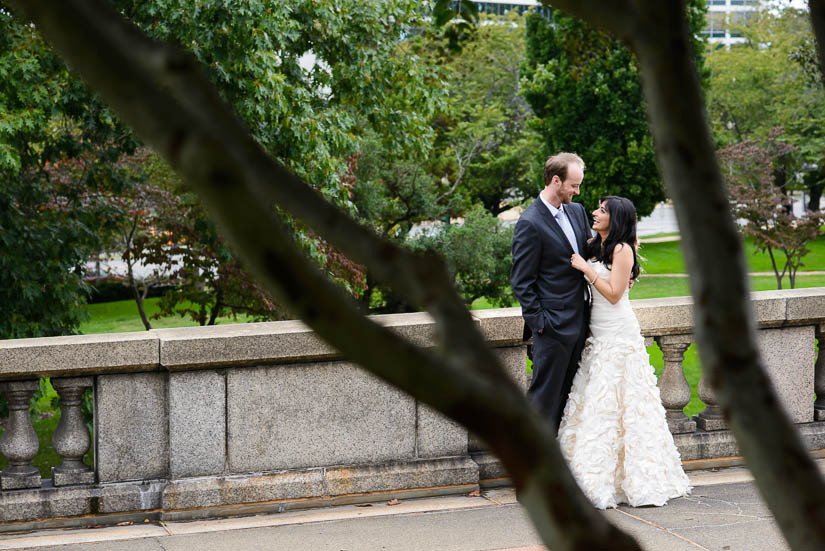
{"x": 725, "y": 330}
{"x": 161, "y": 93}
{"x": 817, "y": 8}
{"x": 615, "y": 16}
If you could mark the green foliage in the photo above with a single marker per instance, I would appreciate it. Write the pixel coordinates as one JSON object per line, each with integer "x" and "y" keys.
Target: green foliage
{"x": 770, "y": 81}
{"x": 42, "y": 250}
{"x": 308, "y": 117}
{"x": 488, "y": 146}
{"x": 478, "y": 255}
{"x": 589, "y": 100}
{"x": 457, "y": 20}
{"x": 394, "y": 193}
{"x": 205, "y": 281}
{"x": 310, "y": 78}
{"x": 316, "y": 82}
{"x": 480, "y": 156}
{"x": 584, "y": 87}
{"x": 57, "y": 144}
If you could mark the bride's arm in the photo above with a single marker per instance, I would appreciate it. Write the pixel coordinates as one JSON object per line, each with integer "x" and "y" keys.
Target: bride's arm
{"x": 622, "y": 264}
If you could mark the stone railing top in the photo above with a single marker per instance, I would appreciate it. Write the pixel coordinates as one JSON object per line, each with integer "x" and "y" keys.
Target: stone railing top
{"x": 78, "y": 355}
{"x": 292, "y": 341}
{"x": 674, "y": 315}
{"x": 268, "y": 342}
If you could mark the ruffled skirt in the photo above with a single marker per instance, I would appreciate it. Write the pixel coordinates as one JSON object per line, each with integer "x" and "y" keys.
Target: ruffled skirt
{"x": 614, "y": 434}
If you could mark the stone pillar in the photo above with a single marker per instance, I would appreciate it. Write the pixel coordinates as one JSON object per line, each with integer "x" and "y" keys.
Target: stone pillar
{"x": 673, "y": 386}
{"x": 819, "y": 376}
{"x": 71, "y": 440}
{"x": 19, "y": 443}
{"x": 711, "y": 417}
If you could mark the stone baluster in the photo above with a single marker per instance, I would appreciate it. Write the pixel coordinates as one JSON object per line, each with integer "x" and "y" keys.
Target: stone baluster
{"x": 711, "y": 417}
{"x": 19, "y": 442}
{"x": 71, "y": 440}
{"x": 819, "y": 376}
{"x": 673, "y": 387}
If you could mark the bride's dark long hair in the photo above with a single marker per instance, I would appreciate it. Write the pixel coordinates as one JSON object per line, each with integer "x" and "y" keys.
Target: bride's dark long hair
{"x": 622, "y": 229}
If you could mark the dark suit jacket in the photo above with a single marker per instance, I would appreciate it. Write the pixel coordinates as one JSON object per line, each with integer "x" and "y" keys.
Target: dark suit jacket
{"x": 550, "y": 290}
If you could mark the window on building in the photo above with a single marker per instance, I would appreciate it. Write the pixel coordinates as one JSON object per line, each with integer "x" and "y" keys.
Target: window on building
{"x": 717, "y": 23}
{"x": 491, "y": 8}
{"x": 738, "y": 19}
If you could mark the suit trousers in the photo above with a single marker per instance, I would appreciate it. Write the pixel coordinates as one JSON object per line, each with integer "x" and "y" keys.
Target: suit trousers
{"x": 555, "y": 363}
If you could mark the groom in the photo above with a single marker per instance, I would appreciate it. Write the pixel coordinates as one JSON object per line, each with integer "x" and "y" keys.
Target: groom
{"x": 553, "y": 295}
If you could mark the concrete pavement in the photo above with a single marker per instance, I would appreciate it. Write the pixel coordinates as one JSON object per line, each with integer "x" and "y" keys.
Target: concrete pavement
{"x": 724, "y": 513}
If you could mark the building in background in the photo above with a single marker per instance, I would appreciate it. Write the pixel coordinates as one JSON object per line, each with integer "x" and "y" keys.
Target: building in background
{"x": 502, "y": 7}
{"x": 723, "y": 16}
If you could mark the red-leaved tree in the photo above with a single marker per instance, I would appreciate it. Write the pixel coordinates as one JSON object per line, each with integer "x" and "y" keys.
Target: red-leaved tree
{"x": 765, "y": 212}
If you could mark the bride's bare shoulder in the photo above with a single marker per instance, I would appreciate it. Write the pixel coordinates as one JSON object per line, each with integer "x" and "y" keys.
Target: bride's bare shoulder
{"x": 622, "y": 250}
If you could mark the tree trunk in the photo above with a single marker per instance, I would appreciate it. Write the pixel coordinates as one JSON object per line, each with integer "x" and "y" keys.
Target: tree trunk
{"x": 139, "y": 297}
{"x": 128, "y": 239}
{"x": 216, "y": 309}
{"x": 817, "y": 8}
{"x": 776, "y": 273}
{"x": 815, "y": 195}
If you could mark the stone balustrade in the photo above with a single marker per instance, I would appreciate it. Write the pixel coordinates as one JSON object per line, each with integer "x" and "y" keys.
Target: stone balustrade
{"x": 244, "y": 418}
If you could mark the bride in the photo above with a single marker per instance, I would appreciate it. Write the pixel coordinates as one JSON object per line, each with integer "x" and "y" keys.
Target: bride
{"x": 613, "y": 432}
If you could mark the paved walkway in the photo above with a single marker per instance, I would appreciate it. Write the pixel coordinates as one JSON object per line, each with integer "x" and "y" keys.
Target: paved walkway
{"x": 724, "y": 513}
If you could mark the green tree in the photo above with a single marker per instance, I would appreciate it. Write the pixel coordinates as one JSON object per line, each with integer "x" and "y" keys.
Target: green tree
{"x": 57, "y": 146}
{"x": 487, "y": 141}
{"x": 315, "y": 81}
{"x": 771, "y": 80}
{"x": 310, "y": 79}
{"x": 477, "y": 252}
{"x": 307, "y": 77}
{"x": 584, "y": 87}
{"x": 481, "y": 153}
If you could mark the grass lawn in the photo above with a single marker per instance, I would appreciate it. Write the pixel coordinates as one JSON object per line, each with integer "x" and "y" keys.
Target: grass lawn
{"x": 656, "y": 235}
{"x": 122, "y": 315}
{"x": 666, "y": 258}
{"x": 651, "y": 286}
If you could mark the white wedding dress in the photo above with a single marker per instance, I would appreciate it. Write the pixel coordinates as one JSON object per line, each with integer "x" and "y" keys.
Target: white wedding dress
{"x": 613, "y": 432}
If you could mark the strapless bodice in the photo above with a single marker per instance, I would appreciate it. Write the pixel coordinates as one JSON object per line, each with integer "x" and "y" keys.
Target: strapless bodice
{"x": 612, "y": 320}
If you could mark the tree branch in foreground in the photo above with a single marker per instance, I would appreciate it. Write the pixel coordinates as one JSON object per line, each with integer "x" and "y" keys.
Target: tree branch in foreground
{"x": 817, "y": 9}
{"x": 161, "y": 93}
{"x": 725, "y": 331}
